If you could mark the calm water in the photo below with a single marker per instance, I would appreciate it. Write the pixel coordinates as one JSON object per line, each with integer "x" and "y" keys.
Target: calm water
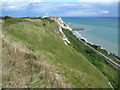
{"x": 100, "y": 31}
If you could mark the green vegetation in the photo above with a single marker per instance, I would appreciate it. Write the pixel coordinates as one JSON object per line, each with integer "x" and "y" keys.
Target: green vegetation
{"x": 35, "y": 55}
{"x": 108, "y": 70}
{"x": 6, "y": 17}
{"x": 104, "y": 52}
{"x": 77, "y": 29}
{"x": 110, "y": 56}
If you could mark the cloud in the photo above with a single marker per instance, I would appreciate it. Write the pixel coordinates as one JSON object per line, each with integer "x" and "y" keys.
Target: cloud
{"x": 104, "y": 11}
{"x": 46, "y": 14}
{"x": 59, "y": 9}
{"x": 29, "y": 1}
{"x": 99, "y": 1}
{"x": 17, "y": 4}
{"x": 80, "y": 13}
{"x": 11, "y": 7}
{"x": 60, "y": 0}
{"x": 14, "y": 5}
{"x": 86, "y": 5}
{"x": 73, "y": 9}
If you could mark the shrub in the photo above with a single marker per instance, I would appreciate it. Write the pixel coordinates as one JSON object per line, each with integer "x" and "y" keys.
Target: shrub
{"x": 6, "y": 17}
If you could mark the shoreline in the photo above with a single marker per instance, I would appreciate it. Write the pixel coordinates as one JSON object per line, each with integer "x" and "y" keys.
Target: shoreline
{"x": 108, "y": 43}
{"x": 81, "y": 37}
{"x": 65, "y": 25}
{"x": 86, "y": 41}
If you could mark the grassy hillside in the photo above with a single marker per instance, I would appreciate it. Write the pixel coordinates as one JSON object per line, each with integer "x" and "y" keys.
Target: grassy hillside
{"x": 35, "y": 55}
{"x": 107, "y": 69}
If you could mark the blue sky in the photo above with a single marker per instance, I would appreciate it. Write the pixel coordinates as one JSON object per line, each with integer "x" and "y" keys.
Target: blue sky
{"x": 64, "y": 9}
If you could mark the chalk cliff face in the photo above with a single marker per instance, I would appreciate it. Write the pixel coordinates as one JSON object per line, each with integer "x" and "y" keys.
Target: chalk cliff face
{"x": 36, "y": 54}
{"x": 61, "y": 23}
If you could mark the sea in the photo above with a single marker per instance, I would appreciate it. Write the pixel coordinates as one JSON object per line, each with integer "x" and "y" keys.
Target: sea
{"x": 102, "y": 31}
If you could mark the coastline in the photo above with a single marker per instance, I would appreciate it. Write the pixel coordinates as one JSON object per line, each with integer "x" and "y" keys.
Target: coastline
{"x": 87, "y": 51}
{"x": 64, "y": 25}
{"x": 95, "y": 31}
{"x": 86, "y": 41}
{"x": 82, "y": 37}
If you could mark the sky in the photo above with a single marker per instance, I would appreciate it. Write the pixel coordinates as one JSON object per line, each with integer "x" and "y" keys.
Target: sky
{"x": 62, "y": 8}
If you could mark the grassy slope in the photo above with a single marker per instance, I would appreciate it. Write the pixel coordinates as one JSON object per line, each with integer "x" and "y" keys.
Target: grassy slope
{"x": 109, "y": 71}
{"x": 34, "y": 55}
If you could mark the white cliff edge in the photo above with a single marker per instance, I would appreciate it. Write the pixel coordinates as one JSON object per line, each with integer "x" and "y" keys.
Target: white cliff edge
{"x": 62, "y": 25}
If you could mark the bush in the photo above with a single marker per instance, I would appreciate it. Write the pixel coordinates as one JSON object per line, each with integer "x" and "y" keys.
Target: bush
{"x": 96, "y": 47}
{"x": 6, "y": 17}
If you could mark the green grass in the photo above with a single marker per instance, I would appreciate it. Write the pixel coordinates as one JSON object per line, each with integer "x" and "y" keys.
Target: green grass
{"x": 45, "y": 42}
{"x": 108, "y": 70}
